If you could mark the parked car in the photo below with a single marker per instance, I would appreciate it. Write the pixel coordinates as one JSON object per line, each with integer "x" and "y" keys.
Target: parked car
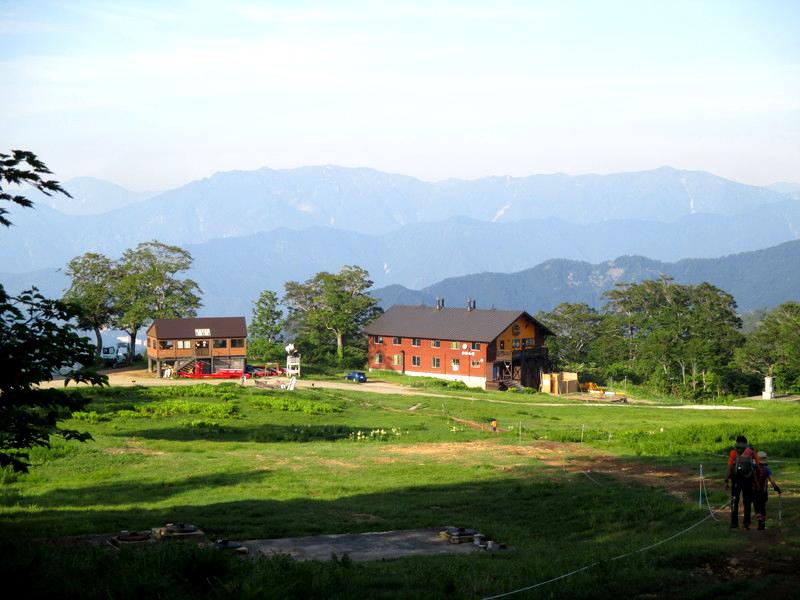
{"x": 357, "y": 376}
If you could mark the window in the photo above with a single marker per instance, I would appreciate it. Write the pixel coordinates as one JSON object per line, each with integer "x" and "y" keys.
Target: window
{"x": 515, "y": 343}
{"x": 201, "y": 344}
{"x": 436, "y": 362}
{"x": 165, "y": 344}
{"x": 397, "y": 341}
{"x": 239, "y": 343}
{"x": 476, "y": 345}
{"x": 416, "y": 361}
{"x": 475, "y": 364}
{"x": 397, "y": 360}
{"x": 184, "y": 344}
{"x": 416, "y": 342}
{"x": 378, "y": 340}
{"x": 435, "y": 343}
{"x": 528, "y": 343}
{"x": 502, "y": 344}
{"x": 220, "y": 343}
{"x": 378, "y": 358}
{"x": 453, "y": 345}
{"x": 454, "y": 364}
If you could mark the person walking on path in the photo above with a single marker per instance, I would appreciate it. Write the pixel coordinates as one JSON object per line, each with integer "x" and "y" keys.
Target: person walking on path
{"x": 741, "y": 469}
{"x": 763, "y": 477}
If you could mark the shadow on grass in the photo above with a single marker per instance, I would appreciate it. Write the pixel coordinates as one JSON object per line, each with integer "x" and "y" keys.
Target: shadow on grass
{"x": 256, "y": 433}
{"x": 131, "y": 492}
{"x": 553, "y": 527}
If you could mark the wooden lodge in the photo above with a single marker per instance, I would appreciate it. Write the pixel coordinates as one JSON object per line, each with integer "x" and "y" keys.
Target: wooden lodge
{"x": 198, "y": 344}
{"x": 492, "y": 349}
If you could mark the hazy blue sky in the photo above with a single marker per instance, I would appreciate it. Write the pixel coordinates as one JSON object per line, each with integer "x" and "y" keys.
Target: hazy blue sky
{"x": 153, "y": 94}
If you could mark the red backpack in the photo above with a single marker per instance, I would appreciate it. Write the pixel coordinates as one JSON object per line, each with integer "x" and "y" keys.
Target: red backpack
{"x": 761, "y": 480}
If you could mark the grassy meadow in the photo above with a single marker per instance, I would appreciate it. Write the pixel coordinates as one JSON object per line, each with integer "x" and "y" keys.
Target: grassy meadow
{"x": 564, "y": 483}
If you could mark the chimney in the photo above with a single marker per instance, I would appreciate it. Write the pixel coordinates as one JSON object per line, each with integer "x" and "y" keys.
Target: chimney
{"x": 439, "y": 303}
{"x": 470, "y": 304}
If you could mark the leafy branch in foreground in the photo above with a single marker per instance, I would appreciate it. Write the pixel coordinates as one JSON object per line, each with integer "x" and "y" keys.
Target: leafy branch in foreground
{"x": 37, "y": 340}
{"x": 23, "y": 167}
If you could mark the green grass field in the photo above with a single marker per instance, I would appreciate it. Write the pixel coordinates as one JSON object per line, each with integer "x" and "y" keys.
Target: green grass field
{"x": 247, "y": 464}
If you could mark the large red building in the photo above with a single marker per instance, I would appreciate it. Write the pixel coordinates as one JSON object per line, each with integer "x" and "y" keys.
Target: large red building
{"x": 483, "y": 348}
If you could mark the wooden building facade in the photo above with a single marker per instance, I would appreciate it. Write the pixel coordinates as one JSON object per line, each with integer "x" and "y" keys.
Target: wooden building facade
{"x": 492, "y": 349}
{"x": 199, "y": 344}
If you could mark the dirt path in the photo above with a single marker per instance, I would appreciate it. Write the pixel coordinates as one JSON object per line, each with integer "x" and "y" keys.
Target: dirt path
{"x": 131, "y": 377}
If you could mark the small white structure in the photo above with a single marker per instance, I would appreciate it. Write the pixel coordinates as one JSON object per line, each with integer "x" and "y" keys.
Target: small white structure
{"x": 769, "y": 389}
{"x": 292, "y": 361}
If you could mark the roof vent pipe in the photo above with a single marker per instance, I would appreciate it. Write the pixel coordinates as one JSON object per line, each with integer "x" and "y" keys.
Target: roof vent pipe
{"x": 439, "y": 303}
{"x": 471, "y": 304}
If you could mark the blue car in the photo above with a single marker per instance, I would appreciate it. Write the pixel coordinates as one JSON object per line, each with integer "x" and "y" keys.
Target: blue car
{"x": 357, "y": 376}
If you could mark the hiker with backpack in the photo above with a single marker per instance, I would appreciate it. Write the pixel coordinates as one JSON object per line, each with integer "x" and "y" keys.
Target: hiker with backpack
{"x": 741, "y": 470}
{"x": 762, "y": 479}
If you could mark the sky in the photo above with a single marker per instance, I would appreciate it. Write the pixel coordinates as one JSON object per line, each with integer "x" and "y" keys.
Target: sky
{"x": 151, "y": 95}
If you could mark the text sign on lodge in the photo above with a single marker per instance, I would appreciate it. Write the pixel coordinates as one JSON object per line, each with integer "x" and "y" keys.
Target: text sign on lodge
{"x": 202, "y": 333}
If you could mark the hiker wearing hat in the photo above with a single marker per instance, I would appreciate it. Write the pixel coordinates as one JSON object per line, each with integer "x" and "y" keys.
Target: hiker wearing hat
{"x": 741, "y": 469}
{"x": 763, "y": 477}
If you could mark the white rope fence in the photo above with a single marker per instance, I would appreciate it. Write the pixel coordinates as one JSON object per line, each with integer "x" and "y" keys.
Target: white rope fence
{"x": 711, "y": 515}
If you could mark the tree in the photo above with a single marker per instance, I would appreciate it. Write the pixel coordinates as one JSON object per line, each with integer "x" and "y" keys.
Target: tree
{"x": 267, "y": 321}
{"x": 680, "y": 337}
{"x": 575, "y": 327}
{"x": 91, "y": 290}
{"x": 145, "y": 287}
{"x": 23, "y": 167}
{"x": 37, "y": 337}
{"x": 265, "y": 326}
{"x": 331, "y": 306}
{"x": 773, "y": 349}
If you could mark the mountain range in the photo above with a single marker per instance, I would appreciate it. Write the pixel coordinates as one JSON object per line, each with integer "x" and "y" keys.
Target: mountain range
{"x": 88, "y": 196}
{"x": 662, "y": 207}
{"x": 760, "y": 279}
{"x": 254, "y": 230}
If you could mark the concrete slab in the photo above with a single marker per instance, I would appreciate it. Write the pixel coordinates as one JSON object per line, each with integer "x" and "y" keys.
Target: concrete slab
{"x": 362, "y": 546}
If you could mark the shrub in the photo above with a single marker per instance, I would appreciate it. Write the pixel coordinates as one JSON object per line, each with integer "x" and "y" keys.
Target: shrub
{"x": 169, "y": 408}
{"x": 290, "y": 404}
{"x": 90, "y": 417}
{"x": 203, "y": 425}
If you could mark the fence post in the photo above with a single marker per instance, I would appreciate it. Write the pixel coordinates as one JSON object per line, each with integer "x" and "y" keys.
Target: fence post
{"x": 700, "y": 501}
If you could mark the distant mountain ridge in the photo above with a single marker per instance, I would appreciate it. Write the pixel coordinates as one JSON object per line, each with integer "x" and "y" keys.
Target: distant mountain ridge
{"x": 232, "y": 281}
{"x": 90, "y": 196}
{"x": 759, "y": 279}
{"x": 240, "y": 203}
